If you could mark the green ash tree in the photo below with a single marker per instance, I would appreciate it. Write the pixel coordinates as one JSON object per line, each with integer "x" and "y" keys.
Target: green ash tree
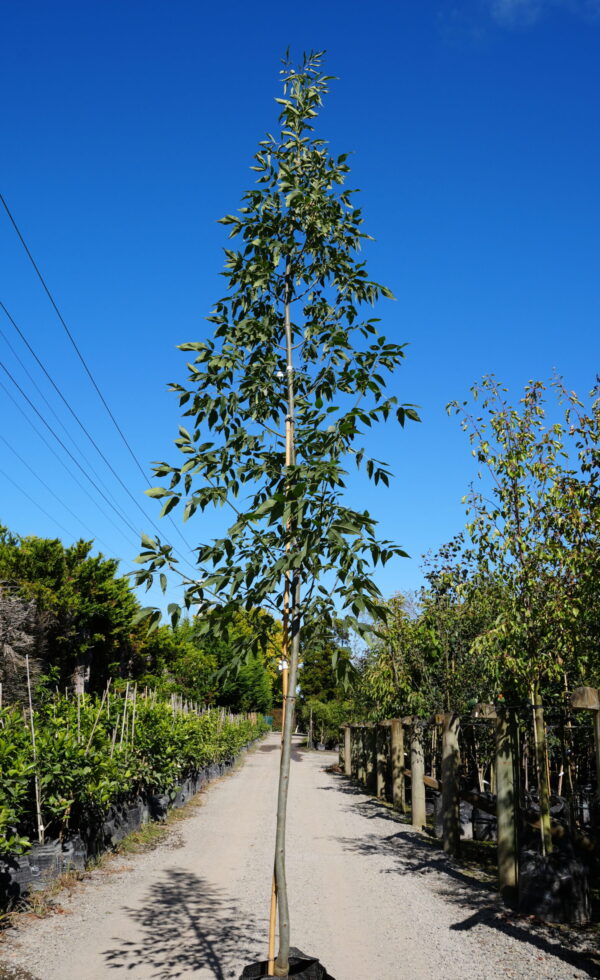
{"x": 279, "y": 402}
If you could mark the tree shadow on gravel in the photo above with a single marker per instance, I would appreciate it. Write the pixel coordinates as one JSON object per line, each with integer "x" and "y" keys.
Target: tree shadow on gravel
{"x": 188, "y": 925}
{"x": 410, "y": 853}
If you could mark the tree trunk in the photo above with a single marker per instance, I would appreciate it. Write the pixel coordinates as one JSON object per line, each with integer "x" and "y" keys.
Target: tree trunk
{"x": 80, "y": 677}
{"x": 281, "y": 968}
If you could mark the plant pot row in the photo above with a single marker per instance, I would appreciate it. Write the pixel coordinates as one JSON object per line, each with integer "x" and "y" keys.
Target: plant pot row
{"x": 21, "y": 874}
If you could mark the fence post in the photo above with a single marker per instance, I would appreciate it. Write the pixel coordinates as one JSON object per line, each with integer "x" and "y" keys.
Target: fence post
{"x": 382, "y": 760}
{"x": 417, "y": 769}
{"x": 397, "y": 753}
{"x": 507, "y": 787}
{"x": 362, "y": 755}
{"x": 370, "y": 732}
{"x": 355, "y": 751}
{"x": 450, "y": 764}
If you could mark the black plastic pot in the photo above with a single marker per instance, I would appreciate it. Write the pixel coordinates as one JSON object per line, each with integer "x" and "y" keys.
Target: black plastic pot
{"x": 45, "y": 861}
{"x": 15, "y": 879}
{"x": 301, "y": 967}
{"x": 465, "y": 817}
{"x": 485, "y": 825}
{"x": 74, "y": 855}
{"x": 555, "y": 887}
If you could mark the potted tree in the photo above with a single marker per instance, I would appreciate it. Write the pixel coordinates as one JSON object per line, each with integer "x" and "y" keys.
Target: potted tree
{"x": 278, "y": 401}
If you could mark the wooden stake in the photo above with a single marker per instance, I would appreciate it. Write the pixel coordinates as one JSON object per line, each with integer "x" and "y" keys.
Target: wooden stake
{"x": 397, "y": 740}
{"x": 417, "y": 768}
{"x": 450, "y": 804}
{"x": 382, "y": 760}
{"x": 347, "y": 750}
{"x": 507, "y": 806}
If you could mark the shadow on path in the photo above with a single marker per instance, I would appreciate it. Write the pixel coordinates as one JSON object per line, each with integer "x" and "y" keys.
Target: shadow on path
{"x": 186, "y": 924}
{"x": 410, "y": 853}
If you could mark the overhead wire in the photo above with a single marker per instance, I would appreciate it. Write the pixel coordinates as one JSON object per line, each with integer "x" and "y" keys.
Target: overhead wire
{"x": 82, "y": 427}
{"x": 114, "y": 507}
{"x": 36, "y": 504}
{"x": 42, "y": 395}
{"x": 72, "y": 475}
{"x": 51, "y": 491}
{"x": 75, "y": 537}
{"x": 82, "y": 359}
{"x": 70, "y": 335}
{"x": 78, "y": 420}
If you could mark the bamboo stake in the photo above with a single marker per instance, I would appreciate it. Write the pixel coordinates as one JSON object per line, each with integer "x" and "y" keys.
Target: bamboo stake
{"x": 96, "y": 720}
{"x": 124, "y": 714}
{"x": 133, "y": 713}
{"x": 38, "y": 802}
{"x": 114, "y": 738}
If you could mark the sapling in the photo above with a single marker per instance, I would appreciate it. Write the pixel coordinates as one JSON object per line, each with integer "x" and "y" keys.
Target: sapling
{"x": 278, "y": 401}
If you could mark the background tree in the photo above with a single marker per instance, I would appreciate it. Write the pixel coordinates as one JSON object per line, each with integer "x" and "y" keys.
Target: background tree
{"x": 277, "y": 400}
{"x": 86, "y": 609}
{"x": 528, "y": 532}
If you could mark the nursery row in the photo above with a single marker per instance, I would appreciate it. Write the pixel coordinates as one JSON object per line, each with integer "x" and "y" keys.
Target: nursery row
{"x": 64, "y": 765}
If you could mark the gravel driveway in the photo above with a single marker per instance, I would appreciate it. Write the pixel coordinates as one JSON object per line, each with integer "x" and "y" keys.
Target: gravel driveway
{"x": 368, "y": 896}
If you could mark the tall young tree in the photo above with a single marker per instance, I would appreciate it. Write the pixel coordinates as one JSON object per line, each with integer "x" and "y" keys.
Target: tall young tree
{"x": 279, "y": 401}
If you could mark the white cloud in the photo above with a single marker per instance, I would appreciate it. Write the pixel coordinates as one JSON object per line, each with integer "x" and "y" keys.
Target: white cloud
{"x": 522, "y": 12}
{"x": 517, "y": 11}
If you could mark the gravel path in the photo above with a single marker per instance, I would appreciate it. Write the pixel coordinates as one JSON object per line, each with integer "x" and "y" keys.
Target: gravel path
{"x": 368, "y": 896}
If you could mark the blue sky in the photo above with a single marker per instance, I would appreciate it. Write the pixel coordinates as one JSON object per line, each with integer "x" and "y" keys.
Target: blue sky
{"x": 128, "y": 129}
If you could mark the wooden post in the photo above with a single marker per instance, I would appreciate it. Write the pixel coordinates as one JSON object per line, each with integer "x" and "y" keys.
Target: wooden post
{"x": 450, "y": 802}
{"x": 347, "y": 750}
{"x": 355, "y": 751}
{"x": 397, "y": 753}
{"x": 417, "y": 768}
{"x": 507, "y": 785}
{"x": 362, "y": 760}
{"x": 370, "y": 757}
{"x": 382, "y": 761}
{"x": 341, "y": 746}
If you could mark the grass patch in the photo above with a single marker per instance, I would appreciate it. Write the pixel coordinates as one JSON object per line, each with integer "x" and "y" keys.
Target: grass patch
{"x": 147, "y": 838}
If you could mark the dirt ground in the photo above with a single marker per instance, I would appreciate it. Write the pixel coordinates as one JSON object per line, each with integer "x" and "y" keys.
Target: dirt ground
{"x": 368, "y": 896}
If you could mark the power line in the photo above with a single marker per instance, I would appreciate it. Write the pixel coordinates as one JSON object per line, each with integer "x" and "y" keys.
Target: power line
{"x": 114, "y": 506}
{"x": 78, "y": 420}
{"x": 51, "y": 491}
{"x": 82, "y": 359}
{"x": 63, "y": 464}
{"x": 35, "y": 503}
{"x": 44, "y": 511}
{"x": 39, "y": 390}
{"x": 81, "y": 425}
{"x": 68, "y": 451}
{"x": 71, "y": 338}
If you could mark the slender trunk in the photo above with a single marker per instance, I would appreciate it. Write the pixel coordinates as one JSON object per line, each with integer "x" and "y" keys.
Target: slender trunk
{"x": 282, "y": 962}
{"x": 292, "y": 590}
